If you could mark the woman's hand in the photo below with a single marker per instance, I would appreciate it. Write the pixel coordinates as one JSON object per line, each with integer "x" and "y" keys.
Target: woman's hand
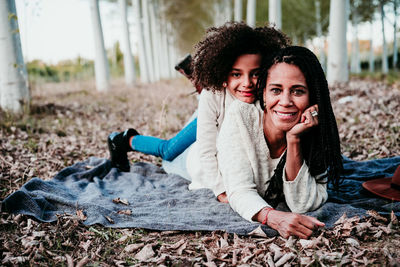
{"x": 293, "y": 224}
{"x": 307, "y": 121}
{"x": 223, "y": 198}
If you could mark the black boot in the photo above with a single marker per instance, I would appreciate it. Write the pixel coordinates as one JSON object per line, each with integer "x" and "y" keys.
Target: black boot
{"x": 118, "y": 145}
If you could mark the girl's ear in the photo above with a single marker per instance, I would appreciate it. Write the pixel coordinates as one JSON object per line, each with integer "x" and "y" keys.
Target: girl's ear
{"x": 224, "y": 84}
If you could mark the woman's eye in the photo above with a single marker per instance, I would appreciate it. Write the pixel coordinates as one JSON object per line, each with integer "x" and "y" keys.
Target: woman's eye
{"x": 235, "y": 74}
{"x": 299, "y": 92}
{"x": 255, "y": 75}
{"x": 275, "y": 90}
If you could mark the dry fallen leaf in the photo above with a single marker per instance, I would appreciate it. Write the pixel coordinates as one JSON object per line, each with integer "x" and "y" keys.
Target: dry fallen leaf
{"x": 120, "y": 201}
{"x": 81, "y": 215}
{"x": 109, "y": 219}
{"x": 145, "y": 253}
{"x": 125, "y": 212}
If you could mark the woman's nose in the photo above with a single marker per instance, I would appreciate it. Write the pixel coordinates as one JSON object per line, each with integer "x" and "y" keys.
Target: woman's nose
{"x": 285, "y": 99}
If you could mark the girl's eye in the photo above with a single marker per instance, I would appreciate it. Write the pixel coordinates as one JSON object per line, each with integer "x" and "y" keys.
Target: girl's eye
{"x": 235, "y": 74}
{"x": 255, "y": 75}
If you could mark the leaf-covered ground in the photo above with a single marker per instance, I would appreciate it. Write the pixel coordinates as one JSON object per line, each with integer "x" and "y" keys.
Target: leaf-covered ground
{"x": 70, "y": 122}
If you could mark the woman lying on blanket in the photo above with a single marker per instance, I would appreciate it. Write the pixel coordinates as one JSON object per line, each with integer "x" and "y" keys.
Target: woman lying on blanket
{"x": 226, "y": 64}
{"x": 284, "y": 147}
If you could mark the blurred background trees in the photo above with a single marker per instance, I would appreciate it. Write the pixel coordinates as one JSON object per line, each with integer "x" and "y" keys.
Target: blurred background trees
{"x": 157, "y": 33}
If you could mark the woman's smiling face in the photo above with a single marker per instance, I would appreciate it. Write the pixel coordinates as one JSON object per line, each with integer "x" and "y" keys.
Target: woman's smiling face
{"x": 286, "y": 96}
{"x": 243, "y": 77}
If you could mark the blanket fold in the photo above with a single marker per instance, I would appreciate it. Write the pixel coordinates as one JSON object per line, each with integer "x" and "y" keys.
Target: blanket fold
{"x": 161, "y": 201}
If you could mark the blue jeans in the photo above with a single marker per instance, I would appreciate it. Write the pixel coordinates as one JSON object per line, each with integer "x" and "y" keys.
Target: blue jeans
{"x": 166, "y": 149}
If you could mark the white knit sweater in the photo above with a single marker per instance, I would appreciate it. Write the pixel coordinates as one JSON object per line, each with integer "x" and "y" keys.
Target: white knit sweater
{"x": 243, "y": 158}
{"x": 201, "y": 162}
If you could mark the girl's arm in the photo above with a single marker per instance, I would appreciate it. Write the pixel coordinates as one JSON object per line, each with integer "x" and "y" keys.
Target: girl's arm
{"x": 207, "y": 131}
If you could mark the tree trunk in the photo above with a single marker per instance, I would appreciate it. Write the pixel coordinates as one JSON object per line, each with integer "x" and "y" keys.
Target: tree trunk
{"x": 129, "y": 66}
{"x": 337, "y": 56}
{"x": 385, "y": 67}
{"x": 147, "y": 40}
{"x": 238, "y": 16}
{"x": 155, "y": 40}
{"x": 100, "y": 61}
{"x": 275, "y": 13}
{"x": 14, "y": 91}
{"x": 371, "y": 49}
{"x": 251, "y": 13}
{"x": 395, "y": 52}
{"x": 143, "y": 66}
{"x": 228, "y": 10}
{"x": 318, "y": 25}
{"x": 355, "y": 52}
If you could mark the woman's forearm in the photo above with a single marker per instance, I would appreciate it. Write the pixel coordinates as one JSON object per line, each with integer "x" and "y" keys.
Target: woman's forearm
{"x": 294, "y": 158}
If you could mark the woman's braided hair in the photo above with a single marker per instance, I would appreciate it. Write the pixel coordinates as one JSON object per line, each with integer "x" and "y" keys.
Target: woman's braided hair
{"x": 216, "y": 53}
{"x": 321, "y": 145}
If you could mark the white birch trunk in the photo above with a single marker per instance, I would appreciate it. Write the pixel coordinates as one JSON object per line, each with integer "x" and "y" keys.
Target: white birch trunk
{"x": 14, "y": 91}
{"x": 147, "y": 40}
{"x": 318, "y": 25}
{"x": 101, "y": 68}
{"x": 395, "y": 59}
{"x": 155, "y": 40}
{"x": 337, "y": 55}
{"x": 275, "y": 13}
{"x": 371, "y": 49}
{"x": 129, "y": 66}
{"x": 251, "y": 13}
{"x": 144, "y": 72}
{"x": 164, "y": 46}
{"x": 355, "y": 52}
{"x": 172, "y": 51}
{"x": 385, "y": 67}
{"x": 238, "y": 16}
{"x": 228, "y": 10}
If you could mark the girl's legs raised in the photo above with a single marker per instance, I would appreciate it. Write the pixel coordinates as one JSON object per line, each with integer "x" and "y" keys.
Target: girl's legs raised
{"x": 166, "y": 149}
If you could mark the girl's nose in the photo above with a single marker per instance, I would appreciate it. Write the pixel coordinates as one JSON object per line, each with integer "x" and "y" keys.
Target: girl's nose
{"x": 248, "y": 81}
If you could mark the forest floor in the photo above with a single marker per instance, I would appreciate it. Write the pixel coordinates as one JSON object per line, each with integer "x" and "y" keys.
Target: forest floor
{"x": 69, "y": 122}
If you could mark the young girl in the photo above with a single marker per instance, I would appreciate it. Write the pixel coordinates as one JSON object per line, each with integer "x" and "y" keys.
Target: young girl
{"x": 284, "y": 149}
{"x": 226, "y": 64}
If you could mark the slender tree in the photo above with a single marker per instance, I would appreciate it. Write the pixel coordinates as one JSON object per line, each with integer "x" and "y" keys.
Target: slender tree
{"x": 337, "y": 56}
{"x": 371, "y": 49}
{"x": 129, "y": 66}
{"x": 101, "y": 67}
{"x": 395, "y": 52}
{"x": 238, "y": 16}
{"x": 251, "y": 13}
{"x": 147, "y": 39}
{"x": 275, "y": 13}
{"x": 355, "y": 52}
{"x": 143, "y": 65}
{"x": 385, "y": 67}
{"x": 318, "y": 24}
{"x": 14, "y": 92}
{"x": 155, "y": 40}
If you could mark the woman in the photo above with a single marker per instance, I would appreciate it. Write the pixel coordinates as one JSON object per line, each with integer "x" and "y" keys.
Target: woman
{"x": 283, "y": 148}
{"x": 226, "y": 63}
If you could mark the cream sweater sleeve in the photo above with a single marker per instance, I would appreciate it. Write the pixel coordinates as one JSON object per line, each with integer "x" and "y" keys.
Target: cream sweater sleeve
{"x": 304, "y": 193}
{"x": 236, "y": 157}
{"x": 207, "y": 132}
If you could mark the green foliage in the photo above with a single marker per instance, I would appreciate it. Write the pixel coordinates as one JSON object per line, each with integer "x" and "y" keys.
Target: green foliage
{"x": 76, "y": 69}
{"x": 189, "y": 20}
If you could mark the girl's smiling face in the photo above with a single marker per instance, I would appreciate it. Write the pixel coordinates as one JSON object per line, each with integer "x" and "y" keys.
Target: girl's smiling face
{"x": 243, "y": 77}
{"x": 286, "y": 96}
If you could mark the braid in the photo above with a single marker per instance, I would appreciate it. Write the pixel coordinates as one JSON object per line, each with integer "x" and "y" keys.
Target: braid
{"x": 321, "y": 145}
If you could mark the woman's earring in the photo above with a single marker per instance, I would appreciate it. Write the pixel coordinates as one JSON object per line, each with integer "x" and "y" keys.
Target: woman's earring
{"x": 224, "y": 84}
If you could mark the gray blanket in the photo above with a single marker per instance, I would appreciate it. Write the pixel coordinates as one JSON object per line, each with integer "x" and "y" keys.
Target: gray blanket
{"x": 161, "y": 201}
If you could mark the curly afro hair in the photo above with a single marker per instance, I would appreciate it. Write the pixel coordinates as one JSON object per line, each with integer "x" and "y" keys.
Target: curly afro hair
{"x": 215, "y": 55}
